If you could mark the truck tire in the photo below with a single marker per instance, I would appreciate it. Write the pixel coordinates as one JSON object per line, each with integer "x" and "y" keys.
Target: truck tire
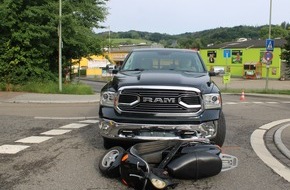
{"x": 108, "y": 143}
{"x": 221, "y": 131}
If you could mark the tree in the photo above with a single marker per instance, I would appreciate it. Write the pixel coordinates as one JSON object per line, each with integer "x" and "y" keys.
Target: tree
{"x": 285, "y": 25}
{"x": 276, "y": 32}
{"x": 286, "y": 55}
{"x": 29, "y": 36}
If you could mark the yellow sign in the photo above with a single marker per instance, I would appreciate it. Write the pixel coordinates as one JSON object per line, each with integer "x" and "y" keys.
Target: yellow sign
{"x": 227, "y": 78}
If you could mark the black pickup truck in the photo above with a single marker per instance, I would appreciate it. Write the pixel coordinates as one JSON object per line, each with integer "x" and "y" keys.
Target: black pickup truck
{"x": 161, "y": 94}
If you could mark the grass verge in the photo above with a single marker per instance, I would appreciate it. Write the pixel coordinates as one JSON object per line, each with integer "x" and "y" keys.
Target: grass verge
{"x": 51, "y": 88}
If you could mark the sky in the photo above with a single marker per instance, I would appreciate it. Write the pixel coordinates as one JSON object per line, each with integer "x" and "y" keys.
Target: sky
{"x": 181, "y": 16}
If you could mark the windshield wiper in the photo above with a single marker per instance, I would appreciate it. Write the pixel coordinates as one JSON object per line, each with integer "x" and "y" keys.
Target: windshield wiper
{"x": 134, "y": 70}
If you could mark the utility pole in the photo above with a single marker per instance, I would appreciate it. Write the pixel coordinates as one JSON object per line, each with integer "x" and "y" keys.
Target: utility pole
{"x": 109, "y": 40}
{"x": 60, "y": 48}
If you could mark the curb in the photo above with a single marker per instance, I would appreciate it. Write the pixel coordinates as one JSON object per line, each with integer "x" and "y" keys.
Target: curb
{"x": 258, "y": 145}
{"x": 260, "y": 95}
{"x": 279, "y": 143}
{"x": 51, "y": 102}
{"x": 51, "y": 98}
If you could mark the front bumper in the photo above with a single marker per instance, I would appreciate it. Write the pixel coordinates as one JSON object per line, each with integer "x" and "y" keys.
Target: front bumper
{"x": 138, "y": 131}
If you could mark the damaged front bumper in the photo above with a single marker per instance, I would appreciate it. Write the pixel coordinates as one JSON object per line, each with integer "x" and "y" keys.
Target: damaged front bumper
{"x": 114, "y": 130}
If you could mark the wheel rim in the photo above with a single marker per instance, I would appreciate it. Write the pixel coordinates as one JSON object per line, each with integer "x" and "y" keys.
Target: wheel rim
{"x": 110, "y": 158}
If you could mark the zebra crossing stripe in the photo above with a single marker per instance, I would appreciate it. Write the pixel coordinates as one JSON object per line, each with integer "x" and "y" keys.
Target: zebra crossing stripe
{"x": 90, "y": 121}
{"x": 74, "y": 126}
{"x": 12, "y": 149}
{"x": 56, "y": 132}
{"x": 34, "y": 139}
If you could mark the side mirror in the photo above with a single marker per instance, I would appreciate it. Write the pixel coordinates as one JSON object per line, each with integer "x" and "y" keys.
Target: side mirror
{"x": 115, "y": 71}
{"x": 212, "y": 73}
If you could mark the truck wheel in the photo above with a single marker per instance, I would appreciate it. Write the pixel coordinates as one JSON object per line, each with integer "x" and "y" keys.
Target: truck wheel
{"x": 221, "y": 131}
{"x": 107, "y": 165}
{"x": 108, "y": 143}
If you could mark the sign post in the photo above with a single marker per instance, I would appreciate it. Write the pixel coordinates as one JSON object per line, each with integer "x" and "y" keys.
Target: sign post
{"x": 268, "y": 56}
{"x": 227, "y": 75}
{"x": 269, "y": 47}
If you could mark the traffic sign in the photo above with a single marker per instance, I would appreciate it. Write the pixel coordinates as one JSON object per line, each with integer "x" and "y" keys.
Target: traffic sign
{"x": 268, "y": 55}
{"x": 226, "y": 78}
{"x": 227, "y": 53}
{"x": 270, "y": 45}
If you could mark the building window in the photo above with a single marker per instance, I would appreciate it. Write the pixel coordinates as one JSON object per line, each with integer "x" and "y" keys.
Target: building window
{"x": 211, "y": 56}
{"x": 237, "y": 56}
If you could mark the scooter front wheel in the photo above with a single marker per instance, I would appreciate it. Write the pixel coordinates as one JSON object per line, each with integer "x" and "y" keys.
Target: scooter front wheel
{"x": 110, "y": 161}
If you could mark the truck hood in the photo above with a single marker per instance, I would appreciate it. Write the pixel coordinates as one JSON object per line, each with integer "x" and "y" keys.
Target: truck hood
{"x": 201, "y": 81}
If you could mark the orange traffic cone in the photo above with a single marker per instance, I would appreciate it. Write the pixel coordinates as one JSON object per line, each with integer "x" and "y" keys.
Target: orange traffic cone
{"x": 242, "y": 98}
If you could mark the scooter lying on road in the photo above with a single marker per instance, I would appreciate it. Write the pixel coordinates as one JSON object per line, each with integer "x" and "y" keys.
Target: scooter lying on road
{"x": 152, "y": 165}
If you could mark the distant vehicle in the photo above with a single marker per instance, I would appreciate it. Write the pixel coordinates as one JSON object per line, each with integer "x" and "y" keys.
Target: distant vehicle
{"x": 161, "y": 94}
{"x": 219, "y": 70}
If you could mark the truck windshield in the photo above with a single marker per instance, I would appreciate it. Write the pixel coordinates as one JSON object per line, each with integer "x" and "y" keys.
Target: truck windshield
{"x": 164, "y": 60}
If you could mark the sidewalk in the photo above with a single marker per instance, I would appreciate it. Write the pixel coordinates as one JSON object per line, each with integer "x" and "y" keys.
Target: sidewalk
{"x": 247, "y": 84}
{"x": 22, "y": 97}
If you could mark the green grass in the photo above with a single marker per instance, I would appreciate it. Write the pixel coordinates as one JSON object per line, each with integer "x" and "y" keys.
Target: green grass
{"x": 102, "y": 78}
{"x": 50, "y": 88}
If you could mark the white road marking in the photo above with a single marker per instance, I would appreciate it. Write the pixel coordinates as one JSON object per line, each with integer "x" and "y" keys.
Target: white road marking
{"x": 245, "y": 102}
{"x": 34, "y": 139}
{"x": 272, "y": 102}
{"x": 257, "y": 142}
{"x": 230, "y": 103}
{"x": 12, "y": 149}
{"x": 74, "y": 126}
{"x": 258, "y": 102}
{"x": 286, "y": 102}
{"x": 56, "y": 132}
{"x": 89, "y": 121}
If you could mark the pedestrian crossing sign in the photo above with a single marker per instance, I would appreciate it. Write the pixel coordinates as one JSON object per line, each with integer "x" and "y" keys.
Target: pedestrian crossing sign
{"x": 270, "y": 45}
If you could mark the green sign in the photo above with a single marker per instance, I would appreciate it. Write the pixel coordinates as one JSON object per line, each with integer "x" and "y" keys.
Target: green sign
{"x": 227, "y": 78}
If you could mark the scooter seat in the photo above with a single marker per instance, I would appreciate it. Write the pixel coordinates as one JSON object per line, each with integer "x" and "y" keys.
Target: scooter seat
{"x": 151, "y": 152}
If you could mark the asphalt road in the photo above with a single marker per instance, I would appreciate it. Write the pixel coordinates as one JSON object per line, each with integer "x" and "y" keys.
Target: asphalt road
{"x": 68, "y": 161}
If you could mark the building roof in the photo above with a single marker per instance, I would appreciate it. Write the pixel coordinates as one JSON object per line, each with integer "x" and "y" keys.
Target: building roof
{"x": 129, "y": 48}
{"x": 248, "y": 44}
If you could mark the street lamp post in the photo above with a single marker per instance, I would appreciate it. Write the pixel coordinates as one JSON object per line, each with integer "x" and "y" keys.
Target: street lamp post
{"x": 60, "y": 48}
{"x": 268, "y": 62}
{"x": 270, "y": 19}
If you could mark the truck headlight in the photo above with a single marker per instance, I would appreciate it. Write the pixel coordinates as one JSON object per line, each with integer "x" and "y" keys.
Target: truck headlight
{"x": 212, "y": 101}
{"x": 108, "y": 98}
{"x": 208, "y": 129}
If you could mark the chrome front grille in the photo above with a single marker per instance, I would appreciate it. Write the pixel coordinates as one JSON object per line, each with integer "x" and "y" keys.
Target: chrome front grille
{"x": 159, "y": 100}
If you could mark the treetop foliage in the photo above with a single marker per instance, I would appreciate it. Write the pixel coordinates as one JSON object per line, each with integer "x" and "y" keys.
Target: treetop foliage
{"x": 29, "y": 36}
{"x": 202, "y": 38}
